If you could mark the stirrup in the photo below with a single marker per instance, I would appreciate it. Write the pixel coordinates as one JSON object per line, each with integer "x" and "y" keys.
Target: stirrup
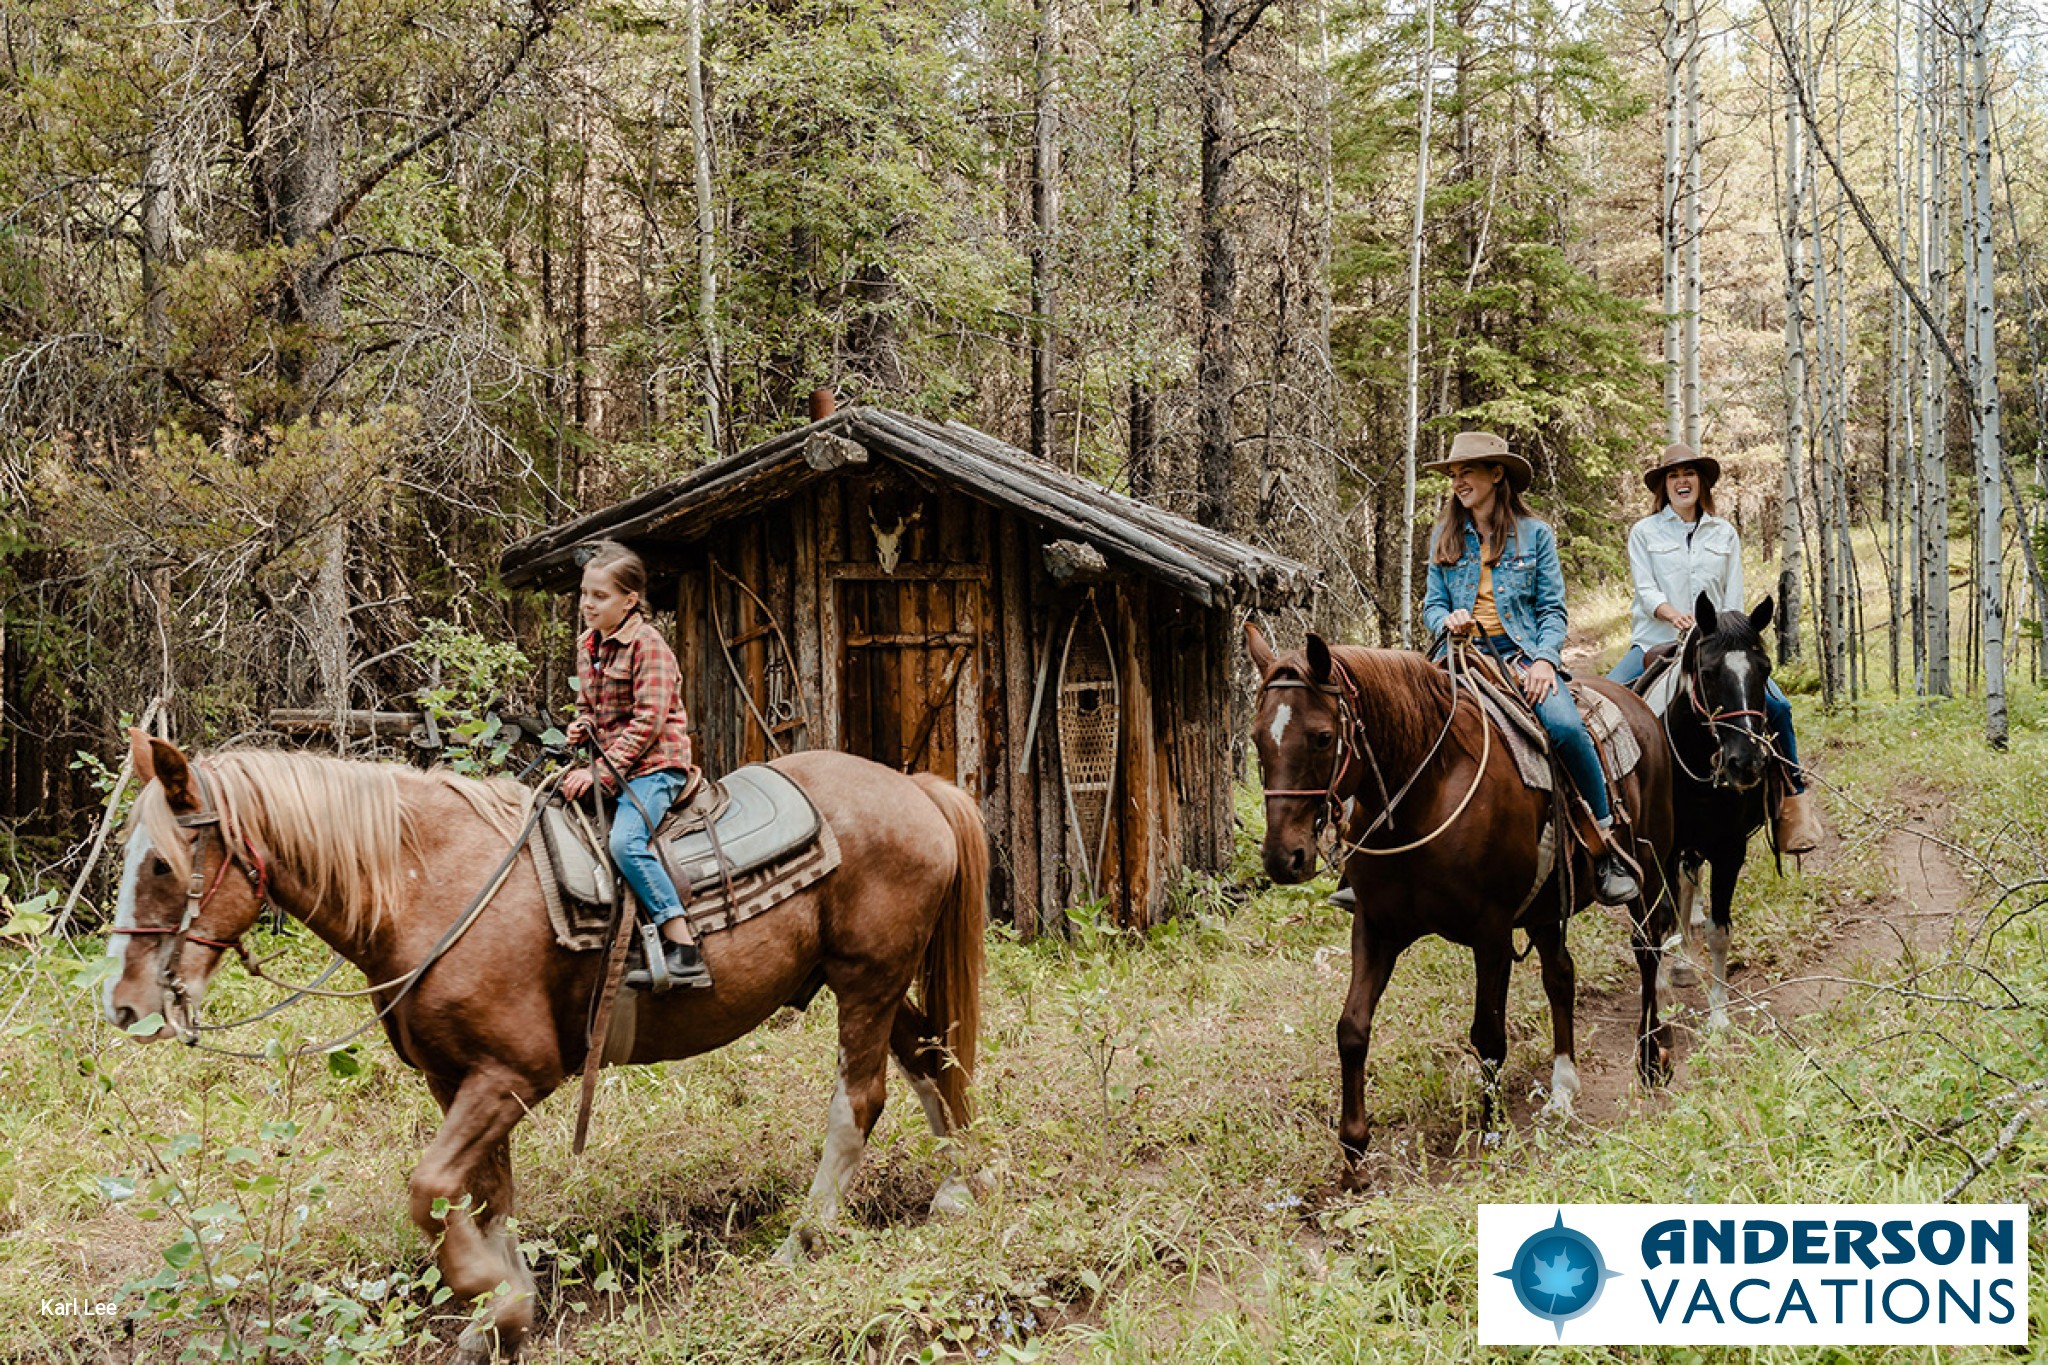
{"x": 665, "y": 968}
{"x": 1610, "y": 874}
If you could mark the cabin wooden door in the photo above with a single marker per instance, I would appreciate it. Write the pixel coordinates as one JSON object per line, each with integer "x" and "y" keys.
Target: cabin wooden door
{"x": 911, "y": 668}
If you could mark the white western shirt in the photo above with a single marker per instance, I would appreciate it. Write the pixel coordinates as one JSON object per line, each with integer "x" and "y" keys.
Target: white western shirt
{"x": 1674, "y": 562}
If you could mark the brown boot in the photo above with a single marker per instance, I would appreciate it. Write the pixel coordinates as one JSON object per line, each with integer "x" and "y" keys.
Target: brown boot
{"x": 1798, "y": 826}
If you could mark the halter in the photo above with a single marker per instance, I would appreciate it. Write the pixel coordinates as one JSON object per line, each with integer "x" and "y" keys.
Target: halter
{"x": 199, "y": 891}
{"x": 1351, "y": 733}
{"x": 1713, "y": 719}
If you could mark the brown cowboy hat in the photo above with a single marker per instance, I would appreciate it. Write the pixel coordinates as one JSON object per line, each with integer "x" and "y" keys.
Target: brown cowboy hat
{"x": 1483, "y": 447}
{"x": 1676, "y": 454}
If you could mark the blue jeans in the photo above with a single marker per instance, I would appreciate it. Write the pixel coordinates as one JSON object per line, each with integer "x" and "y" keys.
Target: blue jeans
{"x": 1629, "y": 669}
{"x": 1778, "y": 715}
{"x": 1567, "y": 729}
{"x": 632, "y": 850}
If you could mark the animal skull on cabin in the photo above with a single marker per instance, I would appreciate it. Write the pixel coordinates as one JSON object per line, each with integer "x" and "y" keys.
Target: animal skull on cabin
{"x": 889, "y": 543}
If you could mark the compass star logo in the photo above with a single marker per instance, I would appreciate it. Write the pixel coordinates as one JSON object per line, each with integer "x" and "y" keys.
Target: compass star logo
{"x": 1558, "y": 1274}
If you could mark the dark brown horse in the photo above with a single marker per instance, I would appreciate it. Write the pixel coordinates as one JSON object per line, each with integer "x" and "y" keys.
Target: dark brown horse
{"x": 1342, "y": 733}
{"x": 382, "y": 862}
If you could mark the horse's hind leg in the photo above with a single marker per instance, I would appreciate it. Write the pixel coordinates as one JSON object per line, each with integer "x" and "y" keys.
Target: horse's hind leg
{"x": 1492, "y": 964}
{"x": 857, "y": 1100}
{"x": 1560, "y": 983}
{"x": 922, "y": 1058}
{"x": 462, "y": 1194}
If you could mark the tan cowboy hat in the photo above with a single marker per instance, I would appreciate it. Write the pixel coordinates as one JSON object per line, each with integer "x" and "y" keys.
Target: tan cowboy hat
{"x": 1483, "y": 447}
{"x": 1676, "y": 454}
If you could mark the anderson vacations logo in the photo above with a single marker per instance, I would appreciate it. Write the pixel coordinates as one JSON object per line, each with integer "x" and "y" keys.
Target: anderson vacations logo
{"x": 1753, "y": 1274}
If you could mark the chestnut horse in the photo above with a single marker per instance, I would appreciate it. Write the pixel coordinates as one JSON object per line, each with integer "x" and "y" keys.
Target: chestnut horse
{"x": 1347, "y": 733}
{"x": 384, "y": 863}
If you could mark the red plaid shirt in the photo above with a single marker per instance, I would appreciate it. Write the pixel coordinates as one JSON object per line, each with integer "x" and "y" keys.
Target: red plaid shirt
{"x": 630, "y": 688}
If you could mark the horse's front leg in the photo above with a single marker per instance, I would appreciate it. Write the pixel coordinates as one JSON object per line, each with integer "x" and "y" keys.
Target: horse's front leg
{"x": 1372, "y": 962}
{"x": 1492, "y": 962}
{"x": 1679, "y": 967}
{"x": 462, "y": 1195}
{"x": 1560, "y": 984}
{"x": 1653, "y": 1035}
{"x": 1727, "y": 871}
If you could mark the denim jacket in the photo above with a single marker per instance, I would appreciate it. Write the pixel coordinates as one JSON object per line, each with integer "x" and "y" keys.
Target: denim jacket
{"x": 1528, "y": 589}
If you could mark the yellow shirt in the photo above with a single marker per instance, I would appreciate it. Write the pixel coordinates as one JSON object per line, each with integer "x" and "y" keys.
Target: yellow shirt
{"x": 1483, "y": 610}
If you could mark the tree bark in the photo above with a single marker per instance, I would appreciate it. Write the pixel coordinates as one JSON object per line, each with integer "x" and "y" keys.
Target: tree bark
{"x": 1990, "y": 505}
{"x": 1791, "y": 544}
{"x": 1424, "y": 124}
{"x": 707, "y": 232}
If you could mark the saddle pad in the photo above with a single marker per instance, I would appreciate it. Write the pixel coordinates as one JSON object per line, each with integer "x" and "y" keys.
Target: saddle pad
{"x": 1530, "y": 744}
{"x": 766, "y": 817}
{"x": 1659, "y": 684}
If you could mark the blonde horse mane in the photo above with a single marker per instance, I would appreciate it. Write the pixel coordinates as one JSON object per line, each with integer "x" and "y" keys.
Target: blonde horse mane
{"x": 345, "y": 829}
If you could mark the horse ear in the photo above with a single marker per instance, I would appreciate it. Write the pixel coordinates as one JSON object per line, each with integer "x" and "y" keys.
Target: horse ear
{"x": 174, "y": 773}
{"x": 1704, "y": 616}
{"x": 1760, "y": 614}
{"x": 139, "y": 755}
{"x": 1318, "y": 659}
{"x": 1262, "y": 653}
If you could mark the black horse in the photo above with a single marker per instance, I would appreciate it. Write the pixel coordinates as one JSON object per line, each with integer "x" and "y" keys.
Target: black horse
{"x": 1722, "y": 758}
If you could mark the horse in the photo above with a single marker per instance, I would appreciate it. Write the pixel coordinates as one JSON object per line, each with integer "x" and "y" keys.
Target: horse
{"x": 1715, "y": 727}
{"x": 1442, "y": 838}
{"x": 386, "y": 864}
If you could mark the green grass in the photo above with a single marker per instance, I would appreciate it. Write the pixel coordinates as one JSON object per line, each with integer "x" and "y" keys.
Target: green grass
{"x": 1157, "y": 1121}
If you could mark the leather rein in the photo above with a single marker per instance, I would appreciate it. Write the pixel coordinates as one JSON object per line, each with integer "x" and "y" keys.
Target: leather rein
{"x": 200, "y": 889}
{"x": 1709, "y": 716}
{"x": 1353, "y": 739}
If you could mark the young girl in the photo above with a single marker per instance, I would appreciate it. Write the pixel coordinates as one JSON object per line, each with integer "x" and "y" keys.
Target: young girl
{"x": 1676, "y": 553}
{"x": 629, "y": 699}
{"x": 1494, "y": 565}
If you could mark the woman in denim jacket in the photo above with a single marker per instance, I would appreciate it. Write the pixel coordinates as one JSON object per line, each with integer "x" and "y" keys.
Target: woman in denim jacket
{"x": 1493, "y": 567}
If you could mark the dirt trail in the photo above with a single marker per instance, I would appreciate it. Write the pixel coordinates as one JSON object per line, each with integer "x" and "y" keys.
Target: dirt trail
{"x": 1913, "y": 919}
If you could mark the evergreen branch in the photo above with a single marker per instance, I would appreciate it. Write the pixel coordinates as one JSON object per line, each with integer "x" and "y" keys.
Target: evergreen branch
{"x": 538, "y": 27}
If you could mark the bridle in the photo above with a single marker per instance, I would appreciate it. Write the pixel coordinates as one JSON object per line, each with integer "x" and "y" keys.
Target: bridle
{"x": 1352, "y": 736}
{"x": 199, "y": 891}
{"x": 1713, "y": 718}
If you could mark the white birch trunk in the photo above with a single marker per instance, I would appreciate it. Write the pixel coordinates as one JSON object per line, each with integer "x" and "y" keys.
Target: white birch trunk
{"x": 1984, "y": 356}
{"x": 1934, "y": 454}
{"x": 707, "y": 231}
{"x": 1791, "y": 542}
{"x": 1691, "y": 341}
{"x": 1674, "y": 61}
{"x": 1424, "y": 121}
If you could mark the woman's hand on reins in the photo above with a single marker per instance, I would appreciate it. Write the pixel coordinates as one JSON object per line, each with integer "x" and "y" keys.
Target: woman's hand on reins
{"x": 1459, "y": 622}
{"x": 1539, "y": 680}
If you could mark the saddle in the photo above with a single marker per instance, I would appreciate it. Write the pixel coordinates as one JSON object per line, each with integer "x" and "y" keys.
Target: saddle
{"x": 735, "y": 848}
{"x": 1658, "y": 685}
{"x": 1516, "y": 723}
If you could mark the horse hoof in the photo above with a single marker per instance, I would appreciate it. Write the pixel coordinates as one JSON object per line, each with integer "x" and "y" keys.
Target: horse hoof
{"x": 1559, "y": 1107}
{"x": 954, "y": 1198}
{"x": 798, "y": 1246}
{"x": 1684, "y": 974}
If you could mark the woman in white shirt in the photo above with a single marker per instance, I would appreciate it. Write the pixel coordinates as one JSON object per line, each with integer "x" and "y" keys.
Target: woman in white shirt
{"x": 1676, "y": 553}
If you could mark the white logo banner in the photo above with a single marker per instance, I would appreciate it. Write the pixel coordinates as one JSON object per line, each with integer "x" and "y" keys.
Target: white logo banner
{"x": 1753, "y": 1274}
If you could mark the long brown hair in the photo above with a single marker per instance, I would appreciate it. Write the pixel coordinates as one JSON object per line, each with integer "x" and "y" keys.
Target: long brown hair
{"x": 1447, "y": 546}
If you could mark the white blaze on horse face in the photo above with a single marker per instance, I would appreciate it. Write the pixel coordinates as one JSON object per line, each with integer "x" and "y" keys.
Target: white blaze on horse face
{"x": 1282, "y": 716}
{"x": 1738, "y": 669}
{"x": 124, "y": 913}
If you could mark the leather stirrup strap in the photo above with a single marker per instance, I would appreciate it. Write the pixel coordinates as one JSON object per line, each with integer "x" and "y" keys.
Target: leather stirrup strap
{"x": 613, "y": 972}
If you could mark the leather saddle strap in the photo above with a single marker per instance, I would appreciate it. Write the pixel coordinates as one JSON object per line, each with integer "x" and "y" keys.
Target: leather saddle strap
{"x": 613, "y": 973}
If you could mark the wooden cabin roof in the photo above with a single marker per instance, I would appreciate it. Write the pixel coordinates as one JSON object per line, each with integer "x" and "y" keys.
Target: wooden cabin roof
{"x": 1204, "y": 564}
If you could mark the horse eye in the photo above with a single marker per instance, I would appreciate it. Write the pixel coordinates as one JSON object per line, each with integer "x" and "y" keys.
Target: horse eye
{"x": 159, "y": 868}
{"x": 1320, "y": 739}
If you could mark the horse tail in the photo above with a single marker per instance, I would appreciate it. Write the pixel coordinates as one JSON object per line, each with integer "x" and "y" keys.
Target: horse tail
{"x": 950, "y": 983}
